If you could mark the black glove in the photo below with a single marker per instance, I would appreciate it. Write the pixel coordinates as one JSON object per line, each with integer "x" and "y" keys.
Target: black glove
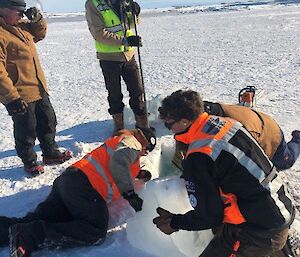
{"x": 33, "y": 14}
{"x": 16, "y": 107}
{"x": 134, "y": 200}
{"x": 144, "y": 175}
{"x": 134, "y": 41}
{"x": 163, "y": 221}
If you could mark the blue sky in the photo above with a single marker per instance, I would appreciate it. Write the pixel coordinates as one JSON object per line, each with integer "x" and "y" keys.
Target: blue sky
{"x": 78, "y": 5}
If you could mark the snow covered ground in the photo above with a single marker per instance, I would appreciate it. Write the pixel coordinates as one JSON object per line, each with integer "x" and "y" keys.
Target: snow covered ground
{"x": 216, "y": 53}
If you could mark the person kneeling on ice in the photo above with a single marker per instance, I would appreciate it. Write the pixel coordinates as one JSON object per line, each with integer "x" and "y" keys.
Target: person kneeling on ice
{"x": 231, "y": 183}
{"x": 261, "y": 126}
{"x": 75, "y": 213}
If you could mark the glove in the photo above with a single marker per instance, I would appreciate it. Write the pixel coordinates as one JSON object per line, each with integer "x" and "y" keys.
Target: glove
{"x": 16, "y": 107}
{"x": 33, "y": 14}
{"x": 134, "y": 200}
{"x": 163, "y": 221}
{"x": 134, "y": 41}
{"x": 144, "y": 175}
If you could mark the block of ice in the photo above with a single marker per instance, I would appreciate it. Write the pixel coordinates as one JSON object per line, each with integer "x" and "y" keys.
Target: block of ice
{"x": 170, "y": 194}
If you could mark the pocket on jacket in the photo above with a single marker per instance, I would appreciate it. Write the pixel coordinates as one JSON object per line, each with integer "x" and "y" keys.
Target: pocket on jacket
{"x": 13, "y": 72}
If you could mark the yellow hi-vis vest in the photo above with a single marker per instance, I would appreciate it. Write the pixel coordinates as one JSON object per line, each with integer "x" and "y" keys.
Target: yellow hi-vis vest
{"x": 112, "y": 24}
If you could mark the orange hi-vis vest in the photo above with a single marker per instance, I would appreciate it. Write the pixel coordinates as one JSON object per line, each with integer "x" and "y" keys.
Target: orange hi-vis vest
{"x": 95, "y": 165}
{"x": 201, "y": 136}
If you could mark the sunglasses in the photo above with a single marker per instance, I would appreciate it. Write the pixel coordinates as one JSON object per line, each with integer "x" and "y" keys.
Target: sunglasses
{"x": 169, "y": 125}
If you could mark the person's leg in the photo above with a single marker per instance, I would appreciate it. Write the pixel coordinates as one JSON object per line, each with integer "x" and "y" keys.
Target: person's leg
{"x": 82, "y": 221}
{"x": 286, "y": 153}
{"x": 25, "y": 134}
{"x": 50, "y": 210}
{"x": 112, "y": 76}
{"x": 132, "y": 79}
{"x": 46, "y": 125}
{"x": 88, "y": 209}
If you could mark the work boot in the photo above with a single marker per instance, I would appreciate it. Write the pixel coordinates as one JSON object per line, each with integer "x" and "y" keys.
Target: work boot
{"x": 56, "y": 157}
{"x": 141, "y": 121}
{"x": 118, "y": 121}
{"x": 33, "y": 168}
{"x": 25, "y": 238}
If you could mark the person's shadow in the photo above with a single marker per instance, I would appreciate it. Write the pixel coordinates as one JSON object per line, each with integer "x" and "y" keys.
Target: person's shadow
{"x": 90, "y": 132}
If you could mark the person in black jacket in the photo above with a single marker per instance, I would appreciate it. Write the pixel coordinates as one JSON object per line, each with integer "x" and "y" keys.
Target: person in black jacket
{"x": 231, "y": 183}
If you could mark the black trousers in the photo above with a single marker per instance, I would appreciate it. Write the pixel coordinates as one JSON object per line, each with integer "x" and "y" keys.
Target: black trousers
{"x": 39, "y": 122}
{"x": 231, "y": 240}
{"x": 129, "y": 71}
{"x": 73, "y": 214}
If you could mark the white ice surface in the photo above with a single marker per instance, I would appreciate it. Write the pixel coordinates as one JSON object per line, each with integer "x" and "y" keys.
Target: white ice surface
{"x": 216, "y": 53}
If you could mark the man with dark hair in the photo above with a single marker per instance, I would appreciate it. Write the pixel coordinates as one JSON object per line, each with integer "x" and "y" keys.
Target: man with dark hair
{"x": 23, "y": 88}
{"x": 111, "y": 25}
{"x": 231, "y": 183}
{"x": 75, "y": 213}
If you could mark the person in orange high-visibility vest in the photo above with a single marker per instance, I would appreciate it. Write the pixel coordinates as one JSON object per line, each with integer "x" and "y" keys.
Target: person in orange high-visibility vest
{"x": 231, "y": 183}
{"x": 75, "y": 212}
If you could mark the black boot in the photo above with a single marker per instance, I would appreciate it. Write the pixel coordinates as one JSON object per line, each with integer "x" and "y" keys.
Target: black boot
{"x": 24, "y": 238}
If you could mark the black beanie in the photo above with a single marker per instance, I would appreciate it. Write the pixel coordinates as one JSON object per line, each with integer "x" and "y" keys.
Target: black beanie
{"x": 149, "y": 133}
{"x": 13, "y": 4}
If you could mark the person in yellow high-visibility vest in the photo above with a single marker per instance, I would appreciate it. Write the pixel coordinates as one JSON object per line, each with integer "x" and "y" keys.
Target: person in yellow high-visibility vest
{"x": 110, "y": 23}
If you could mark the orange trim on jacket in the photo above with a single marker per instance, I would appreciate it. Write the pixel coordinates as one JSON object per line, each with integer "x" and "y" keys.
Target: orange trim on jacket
{"x": 232, "y": 213}
{"x": 95, "y": 165}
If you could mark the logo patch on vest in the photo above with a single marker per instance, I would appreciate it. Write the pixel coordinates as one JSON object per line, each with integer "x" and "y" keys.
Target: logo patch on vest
{"x": 193, "y": 200}
{"x": 190, "y": 186}
{"x": 213, "y": 125}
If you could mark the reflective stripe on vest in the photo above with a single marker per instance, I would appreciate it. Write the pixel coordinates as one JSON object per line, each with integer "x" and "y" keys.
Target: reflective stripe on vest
{"x": 112, "y": 24}
{"x": 101, "y": 172}
{"x": 95, "y": 166}
{"x": 213, "y": 148}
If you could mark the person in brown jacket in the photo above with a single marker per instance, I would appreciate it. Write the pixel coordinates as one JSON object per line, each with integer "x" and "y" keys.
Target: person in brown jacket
{"x": 23, "y": 88}
{"x": 110, "y": 23}
{"x": 262, "y": 127}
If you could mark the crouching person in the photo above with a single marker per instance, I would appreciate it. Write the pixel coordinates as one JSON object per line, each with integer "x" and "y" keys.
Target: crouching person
{"x": 75, "y": 213}
{"x": 231, "y": 183}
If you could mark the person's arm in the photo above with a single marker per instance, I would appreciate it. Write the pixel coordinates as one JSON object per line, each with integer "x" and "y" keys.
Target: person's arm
{"x": 37, "y": 26}
{"x": 126, "y": 153}
{"x": 203, "y": 193}
{"x": 213, "y": 108}
{"x": 96, "y": 26}
{"x": 8, "y": 92}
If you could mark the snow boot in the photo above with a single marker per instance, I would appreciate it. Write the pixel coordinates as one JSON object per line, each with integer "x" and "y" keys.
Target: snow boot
{"x": 56, "y": 157}
{"x": 33, "y": 168}
{"x": 25, "y": 238}
{"x": 118, "y": 119}
{"x": 141, "y": 121}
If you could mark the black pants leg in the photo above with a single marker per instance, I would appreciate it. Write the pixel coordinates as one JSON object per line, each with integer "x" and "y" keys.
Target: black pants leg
{"x": 112, "y": 76}
{"x": 132, "y": 79}
{"x": 46, "y": 125}
{"x": 25, "y": 134}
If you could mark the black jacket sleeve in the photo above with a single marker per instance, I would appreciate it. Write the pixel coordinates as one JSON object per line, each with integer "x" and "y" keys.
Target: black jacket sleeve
{"x": 203, "y": 193}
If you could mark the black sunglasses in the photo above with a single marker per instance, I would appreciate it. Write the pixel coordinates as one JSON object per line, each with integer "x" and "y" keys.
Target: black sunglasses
{"x": 169, "y": 125}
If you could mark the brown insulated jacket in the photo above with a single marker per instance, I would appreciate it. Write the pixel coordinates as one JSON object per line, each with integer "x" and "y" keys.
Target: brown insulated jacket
{"x": 96, "y": 26}
{"x": 21, "y": 73}
{"x": 261, "y": 126}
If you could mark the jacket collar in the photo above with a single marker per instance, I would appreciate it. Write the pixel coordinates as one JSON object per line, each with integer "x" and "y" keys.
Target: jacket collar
{"x": 12, "y": 29}
{"x": 188, "y": 136}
